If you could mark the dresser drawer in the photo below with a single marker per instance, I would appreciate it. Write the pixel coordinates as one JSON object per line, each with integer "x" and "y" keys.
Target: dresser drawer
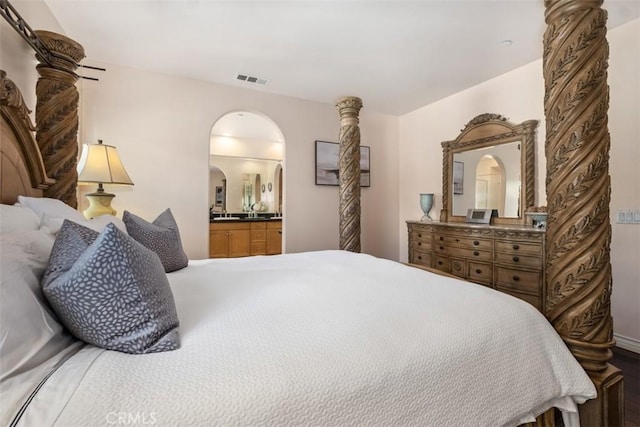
{"x": 441, "y": 263}
{"x": 471, "y": 254}
{"x": 519, "y": 280}
{"x": 421, "y": 235}
{"x": 480, "y": 272}
{"x": 420, "y": 258}
{"x": 518, "y": 260}
{"x": 420, "y": 245}
{"x": 519, "y": 247}
{"x": 463, "y": 242}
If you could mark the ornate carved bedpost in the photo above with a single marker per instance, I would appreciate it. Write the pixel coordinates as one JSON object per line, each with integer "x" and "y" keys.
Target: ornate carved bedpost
{"x": 57, "y": 114}
{"x": 578, "y": 277}
{"x": 349, "y": 173}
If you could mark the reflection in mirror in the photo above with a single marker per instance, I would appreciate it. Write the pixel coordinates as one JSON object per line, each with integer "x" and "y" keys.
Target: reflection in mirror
{"x": 492, "y": 178}
{"x": 490, "y": 165}
{"x": 243, "y": 182}
{"x": 245, "y": 155}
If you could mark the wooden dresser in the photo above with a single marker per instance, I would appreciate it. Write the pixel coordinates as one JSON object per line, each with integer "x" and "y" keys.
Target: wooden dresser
{"x": 506, "y": 258}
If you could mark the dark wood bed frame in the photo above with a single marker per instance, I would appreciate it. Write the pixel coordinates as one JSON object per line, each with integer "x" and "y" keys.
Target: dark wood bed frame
{"x": 576, "y": 102}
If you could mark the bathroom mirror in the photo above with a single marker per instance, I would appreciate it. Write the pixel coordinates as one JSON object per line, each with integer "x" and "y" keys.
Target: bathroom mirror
{"x": 246, "y": 156}
{"x": 242, "y": 180}
{"x": 490, "y": 165}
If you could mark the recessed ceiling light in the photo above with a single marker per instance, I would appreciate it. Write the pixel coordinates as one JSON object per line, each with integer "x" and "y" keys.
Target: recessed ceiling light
{"x": 506, "y": 43}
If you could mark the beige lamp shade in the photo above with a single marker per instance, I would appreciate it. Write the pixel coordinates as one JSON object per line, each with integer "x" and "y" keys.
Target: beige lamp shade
{"x": 100, "y": 164}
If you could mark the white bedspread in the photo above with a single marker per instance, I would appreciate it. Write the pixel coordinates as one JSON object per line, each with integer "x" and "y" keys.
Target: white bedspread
{"x": 326, "y": 338}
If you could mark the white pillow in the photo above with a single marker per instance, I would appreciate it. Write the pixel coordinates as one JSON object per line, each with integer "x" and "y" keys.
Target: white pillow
{"x": 29, "y": 330}
{"x": 17, "y": 218}
{"x": 97, "y": 224}
{"x": 53, "y": 208}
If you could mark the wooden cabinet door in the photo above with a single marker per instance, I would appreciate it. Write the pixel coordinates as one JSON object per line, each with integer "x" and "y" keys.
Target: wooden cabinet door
{"x": 274, "y": 241}
{"x": 239, "y": 243}
{"x": 218, "y": 244}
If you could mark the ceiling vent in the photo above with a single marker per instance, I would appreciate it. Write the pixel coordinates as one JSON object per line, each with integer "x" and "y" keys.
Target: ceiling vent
{"x": 251, "y": 79}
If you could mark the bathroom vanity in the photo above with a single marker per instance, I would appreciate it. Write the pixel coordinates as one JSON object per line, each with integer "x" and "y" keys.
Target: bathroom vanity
{"x": 239, "y": 237}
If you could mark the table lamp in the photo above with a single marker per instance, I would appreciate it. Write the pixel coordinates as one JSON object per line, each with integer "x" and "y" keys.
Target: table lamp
{"x": 100, "y": 164}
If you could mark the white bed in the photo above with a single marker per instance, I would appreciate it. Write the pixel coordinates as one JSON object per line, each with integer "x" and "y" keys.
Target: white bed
{"x": 323, "y": 338}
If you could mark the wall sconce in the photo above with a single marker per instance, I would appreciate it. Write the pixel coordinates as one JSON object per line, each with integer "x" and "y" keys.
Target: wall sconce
{"x": 100, "y": 164}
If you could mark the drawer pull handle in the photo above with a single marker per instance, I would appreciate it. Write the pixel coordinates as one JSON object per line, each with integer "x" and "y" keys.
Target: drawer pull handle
{"x": 516, "y": 247}
{"x": 439, "y": 262}
{"x": 441, "y": 238}
{"x": 478, "y": 271}
{"x": 476, "y": 243}
{"x": 442, "y": 248}
{"x": 516, "y": 259}
{"x": 476, "y": 253}
{"x": 420, "y": 235}
{"x": 457, "y": 240}
{"x": 419, "y": 243}
{"x": 419, "y": 257}
{"x": 516, "y": 278}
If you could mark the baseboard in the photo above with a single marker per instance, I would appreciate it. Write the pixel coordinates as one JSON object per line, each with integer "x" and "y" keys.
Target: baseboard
{"x": 627, "y": 343}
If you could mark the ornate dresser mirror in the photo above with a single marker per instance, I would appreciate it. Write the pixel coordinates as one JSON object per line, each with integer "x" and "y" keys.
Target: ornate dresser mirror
{"x": 490, "y": 165}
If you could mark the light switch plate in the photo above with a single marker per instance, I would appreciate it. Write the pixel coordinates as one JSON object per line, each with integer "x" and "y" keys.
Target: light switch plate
{"x": 621, "y": 217}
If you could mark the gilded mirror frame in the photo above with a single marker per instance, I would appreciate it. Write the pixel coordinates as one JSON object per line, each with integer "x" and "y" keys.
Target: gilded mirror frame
{"x": 486, "y": 130}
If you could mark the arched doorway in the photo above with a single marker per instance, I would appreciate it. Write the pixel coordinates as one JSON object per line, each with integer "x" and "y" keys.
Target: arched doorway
{"x": 249, "y": 148}
{"x": 490, "y": 184}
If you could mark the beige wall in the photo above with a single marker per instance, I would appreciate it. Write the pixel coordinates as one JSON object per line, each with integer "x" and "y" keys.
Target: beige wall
{"x": 624, "y": 127}
{"x": 518, "y": 95}
{"x": 161, "y": 126}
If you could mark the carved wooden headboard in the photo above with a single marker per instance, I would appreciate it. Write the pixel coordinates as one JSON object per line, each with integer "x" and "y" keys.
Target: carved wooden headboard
{"x": 22, "y": 169}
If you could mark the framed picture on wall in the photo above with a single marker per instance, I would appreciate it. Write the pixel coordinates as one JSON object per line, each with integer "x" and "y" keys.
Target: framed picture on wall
{"x": 327, "y": 171}
{"x": 458, "y": 178}
{"x": 219, "y": 195}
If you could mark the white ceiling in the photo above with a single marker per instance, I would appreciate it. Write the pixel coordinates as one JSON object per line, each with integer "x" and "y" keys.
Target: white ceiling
{"x": 396, "y": 55}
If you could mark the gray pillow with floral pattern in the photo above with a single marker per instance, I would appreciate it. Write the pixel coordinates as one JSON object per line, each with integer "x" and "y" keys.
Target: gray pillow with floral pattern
{"x": 162, "y": 236}
{"x": 71, "y": 241}
{"x": 116, "y": 296}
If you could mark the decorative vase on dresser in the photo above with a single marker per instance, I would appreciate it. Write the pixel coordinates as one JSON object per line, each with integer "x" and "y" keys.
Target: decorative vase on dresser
{"x": 426, "y": 203}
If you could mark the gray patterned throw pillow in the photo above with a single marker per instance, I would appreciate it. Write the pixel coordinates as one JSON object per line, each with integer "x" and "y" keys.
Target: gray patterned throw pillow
{"x": 161, "y": 236}
{"x": 116, "y": 296}
{"x": 71, "y": 241}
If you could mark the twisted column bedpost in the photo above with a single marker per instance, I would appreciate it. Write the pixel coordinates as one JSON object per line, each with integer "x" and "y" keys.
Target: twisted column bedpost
{"x": 57, "y": 114}
{"x": 578, "y": 268}
{"x": 349, "y": 173}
